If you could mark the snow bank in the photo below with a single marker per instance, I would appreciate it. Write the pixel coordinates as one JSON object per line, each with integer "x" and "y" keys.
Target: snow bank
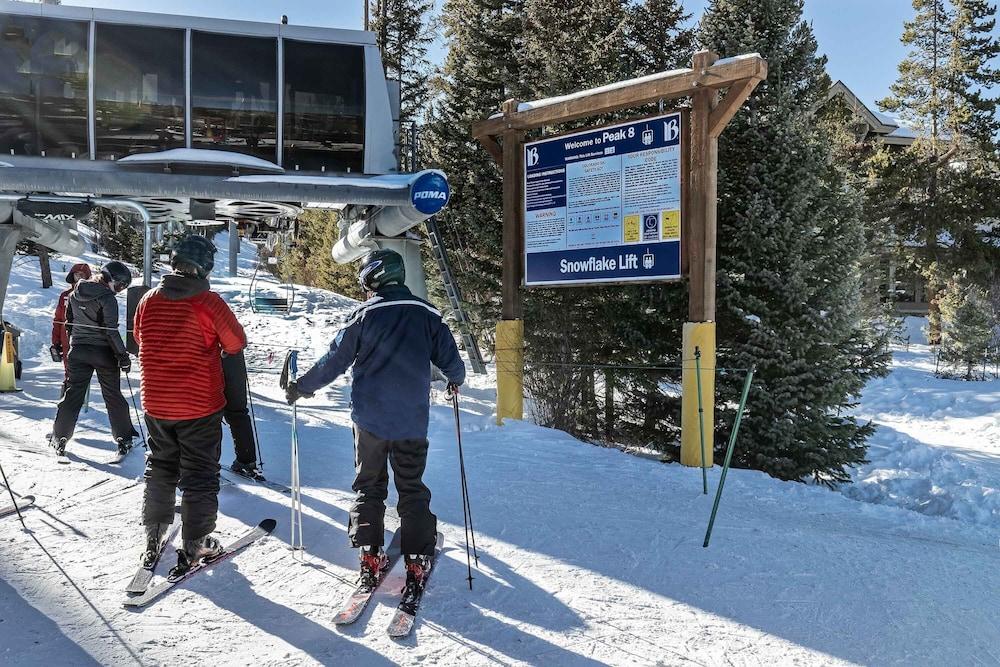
{"x": 937, "y": 447}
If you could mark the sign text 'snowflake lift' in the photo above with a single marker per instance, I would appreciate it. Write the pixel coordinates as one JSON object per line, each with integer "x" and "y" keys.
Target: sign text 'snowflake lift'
{"x": 604, "y": 205}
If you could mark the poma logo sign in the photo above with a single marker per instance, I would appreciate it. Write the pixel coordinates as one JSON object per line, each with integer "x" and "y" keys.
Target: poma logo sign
{"x": 429, "y": 193}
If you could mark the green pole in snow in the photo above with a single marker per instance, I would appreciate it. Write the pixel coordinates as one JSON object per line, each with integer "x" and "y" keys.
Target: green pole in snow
{"x": 729, "y": 453}
{"x": 701, "y": 420}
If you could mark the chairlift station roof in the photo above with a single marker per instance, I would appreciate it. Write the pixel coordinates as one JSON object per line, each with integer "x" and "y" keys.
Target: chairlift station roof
{"x": 260, "y": 120}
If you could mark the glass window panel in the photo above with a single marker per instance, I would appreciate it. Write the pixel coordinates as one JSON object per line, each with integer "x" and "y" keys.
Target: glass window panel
{"x": 233, "y": 92}
{"x": 324, "y": 107}
{"x": 139, "y": 90}
{"x": 43, "y": 86}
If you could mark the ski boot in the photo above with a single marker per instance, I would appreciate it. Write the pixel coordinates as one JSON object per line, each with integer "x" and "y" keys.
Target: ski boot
{"x": 374, "y": 565}
{"x": 203, "y": 549}
{"x": 248, "y": 470}
{"x": 58, "y": 444}
{"x": 124, "y": 446}
{"x": 156, "y": 533}
{"x": 418, "y": 567}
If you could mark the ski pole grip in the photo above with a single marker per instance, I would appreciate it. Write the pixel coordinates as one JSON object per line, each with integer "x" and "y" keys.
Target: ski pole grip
{"x": 293, "y": 363}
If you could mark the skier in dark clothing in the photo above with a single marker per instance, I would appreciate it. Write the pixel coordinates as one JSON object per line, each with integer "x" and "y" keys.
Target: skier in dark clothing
{"x": 182, "y": 328}
{"x": 236, "y": 414}
{"x": 60, "y": 335}
{"x": 392, "y": 339}
{"x": 95, "y": 345}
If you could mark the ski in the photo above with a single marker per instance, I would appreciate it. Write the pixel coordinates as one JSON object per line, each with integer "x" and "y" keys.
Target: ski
{"x": 241, "y": 480}
{"x": 262, "y": 529}
{"x": 144, "y": 575}
{"x": 406, "y": 613}
{"x": 22, "y": 503}
{"x": 355, "y": 605}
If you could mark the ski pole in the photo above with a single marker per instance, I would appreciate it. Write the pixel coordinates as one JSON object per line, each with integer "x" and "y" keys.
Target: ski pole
{"x": 86, "y": 400}
{"x": 293, "y": 368}
{"x": 253, "y": 423}
{"x": 701, "y": 420}
{"x": 466, "y": 506}
{"x": 729, "y": 453}
{"x": 17, "y": 507}
{"x": 135, "y": 407}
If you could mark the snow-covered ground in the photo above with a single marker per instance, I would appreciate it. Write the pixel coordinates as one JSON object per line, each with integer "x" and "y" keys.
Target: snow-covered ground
{"x": 937, "y": 447}
{"x": 587, "y": 555}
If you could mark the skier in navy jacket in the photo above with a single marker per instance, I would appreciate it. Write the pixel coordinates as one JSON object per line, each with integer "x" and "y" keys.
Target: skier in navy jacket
{"x": 392, "y": 339}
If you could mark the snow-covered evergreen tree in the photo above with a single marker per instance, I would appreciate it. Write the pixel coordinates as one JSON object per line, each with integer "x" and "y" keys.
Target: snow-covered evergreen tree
{"x": 790, "y": 239}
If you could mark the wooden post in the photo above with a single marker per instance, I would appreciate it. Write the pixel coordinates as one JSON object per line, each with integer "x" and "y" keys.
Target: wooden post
{"x": 704, "y": 152}
{"x": 609, "y": 404}
{"x": 43, "y": 261}
{"x": 510, "y": 329}
{"x": 698, "y": 398}
{"x": 513, "y": 143}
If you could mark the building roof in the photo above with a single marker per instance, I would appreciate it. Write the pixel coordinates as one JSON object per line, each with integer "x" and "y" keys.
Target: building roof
{"x": 883, "y": 127}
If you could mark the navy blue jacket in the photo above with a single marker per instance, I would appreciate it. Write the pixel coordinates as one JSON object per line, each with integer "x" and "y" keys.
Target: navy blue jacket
{"x": 392, "y": 340}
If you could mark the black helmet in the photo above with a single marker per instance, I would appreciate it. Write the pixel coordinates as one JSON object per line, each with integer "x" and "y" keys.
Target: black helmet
{"x": 117, "y": 273}
{"x": 381, "y": 268}
{"x": 195, "y": 251}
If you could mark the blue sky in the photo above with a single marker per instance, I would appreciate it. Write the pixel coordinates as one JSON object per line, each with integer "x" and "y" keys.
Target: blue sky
{"x": 860, "y": 37}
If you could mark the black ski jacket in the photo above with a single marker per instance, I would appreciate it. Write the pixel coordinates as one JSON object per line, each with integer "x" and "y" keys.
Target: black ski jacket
{"x": 92, "y": 317}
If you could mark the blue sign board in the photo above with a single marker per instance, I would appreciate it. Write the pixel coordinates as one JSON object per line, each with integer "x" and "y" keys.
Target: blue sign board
{"x": 604, "y": 205}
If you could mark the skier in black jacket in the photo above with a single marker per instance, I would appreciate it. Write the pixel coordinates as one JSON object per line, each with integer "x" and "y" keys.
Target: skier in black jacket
{"x": 95, "y": 345}
{"x": 392, "y": 339}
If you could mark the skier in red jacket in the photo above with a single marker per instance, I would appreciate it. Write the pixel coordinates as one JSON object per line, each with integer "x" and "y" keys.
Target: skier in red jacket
{"x": 182, "y": 329}
{"x": 60, "y": 335}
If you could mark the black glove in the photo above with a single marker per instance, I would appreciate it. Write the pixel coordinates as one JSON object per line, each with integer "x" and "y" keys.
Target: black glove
{"x": 293, "y": 394}
{"x": 451, "y": 391}
{"x": 56, "y": 352}
{"x": 125, "y": 362}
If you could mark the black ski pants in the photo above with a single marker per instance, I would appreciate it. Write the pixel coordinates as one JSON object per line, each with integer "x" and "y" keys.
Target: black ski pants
{"x": 371, "y": 482}
{"x": 184, "y": 454}
{"x": 234, "y": 368}
{"x": 83, "y": 361}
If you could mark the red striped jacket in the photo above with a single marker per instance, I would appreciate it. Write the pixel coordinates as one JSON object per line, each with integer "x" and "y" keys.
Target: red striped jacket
{"x": 182, "y": 328}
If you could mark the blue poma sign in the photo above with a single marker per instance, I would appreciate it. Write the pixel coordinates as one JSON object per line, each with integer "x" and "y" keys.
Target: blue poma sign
{"x": 429, "y": 193}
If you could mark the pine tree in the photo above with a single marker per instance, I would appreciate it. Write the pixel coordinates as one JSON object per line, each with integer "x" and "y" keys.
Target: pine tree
{"x": 480, "y": 71}
{"x": 969, "y": 323}
{"x": 404, "y": 30}
{"x": 657, "y": 39}
{"x": 119, "y": 236}
{"x": 309, "y": 261}
{"x": 790, "y": 242}
{"x": 941, "y": 189}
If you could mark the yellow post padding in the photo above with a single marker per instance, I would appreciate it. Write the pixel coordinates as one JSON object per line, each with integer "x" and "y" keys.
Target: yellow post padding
{"x": 7, "y": 360}
{"x": 702, "y": 336}
{"x": 510, "y": 370}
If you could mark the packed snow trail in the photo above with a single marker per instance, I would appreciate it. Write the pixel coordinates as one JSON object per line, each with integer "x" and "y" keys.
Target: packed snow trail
{"x": 588, "y": 555}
